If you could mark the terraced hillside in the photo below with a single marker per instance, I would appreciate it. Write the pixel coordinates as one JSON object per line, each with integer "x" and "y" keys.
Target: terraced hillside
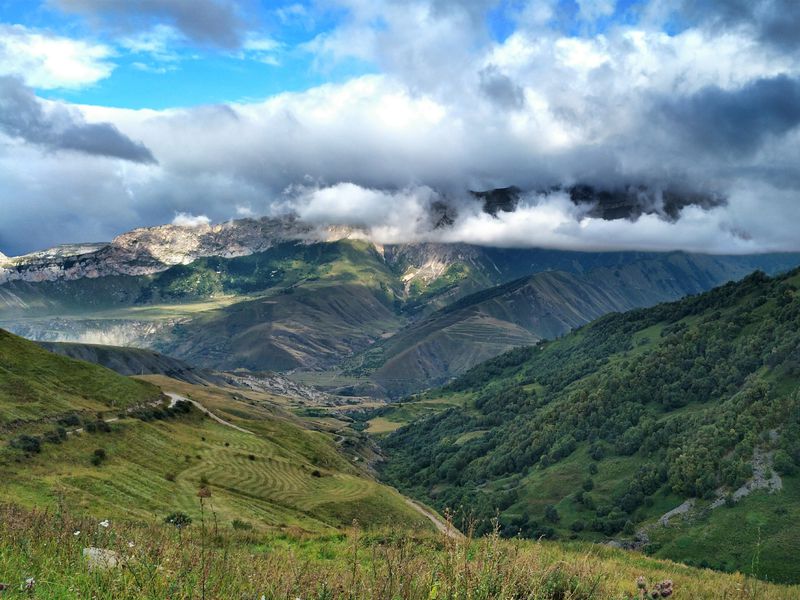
{"x": 61, "y": 443}
{"x": 674, "y": 429}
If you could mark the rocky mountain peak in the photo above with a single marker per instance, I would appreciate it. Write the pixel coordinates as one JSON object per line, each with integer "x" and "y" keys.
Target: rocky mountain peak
{"x": 149, "y": 250}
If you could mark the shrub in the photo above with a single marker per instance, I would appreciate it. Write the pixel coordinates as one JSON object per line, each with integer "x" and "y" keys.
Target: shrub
{"x": 98, "y": 456}
{"x": 783, "y": 463}
{"x": 551, "y": 514}
{"x": 169, "y": 476}
{"x": 629, "y": 528}
{"x": 97, "y": 426}
{"x": 27, "y": 443}
{"x": 577, "y": 526}
{"x": 70, "y": 421}
{"x": 178, "y": 519}
{"x": 316, "y": 473}
{"x": 56, "y": 436}
{"x": 596, "y": 452}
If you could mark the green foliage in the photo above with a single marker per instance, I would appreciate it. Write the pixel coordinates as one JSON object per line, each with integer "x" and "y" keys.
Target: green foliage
{"x": 689, "y": 407}
{"x": 99, "y": 456}
{"x": 27, "y": 443}
{"x": 178, "y": 520}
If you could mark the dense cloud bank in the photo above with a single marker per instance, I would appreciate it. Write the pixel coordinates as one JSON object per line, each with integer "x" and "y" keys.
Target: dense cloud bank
{"x": 709, "y": 112}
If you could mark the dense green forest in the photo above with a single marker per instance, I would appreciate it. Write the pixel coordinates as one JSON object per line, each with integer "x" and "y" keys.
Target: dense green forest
{"x": 598, "y": 433}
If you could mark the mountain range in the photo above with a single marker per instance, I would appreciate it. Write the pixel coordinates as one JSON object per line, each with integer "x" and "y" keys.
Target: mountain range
{"x": 280, "y": 295}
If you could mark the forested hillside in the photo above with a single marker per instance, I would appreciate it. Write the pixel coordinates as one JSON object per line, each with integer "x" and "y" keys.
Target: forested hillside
{"x": 600, "y": 433}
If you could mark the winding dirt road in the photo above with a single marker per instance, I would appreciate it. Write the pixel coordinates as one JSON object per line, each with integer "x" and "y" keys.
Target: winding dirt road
{"x": 440, "y": 525}
{"x": 175, "y": 398}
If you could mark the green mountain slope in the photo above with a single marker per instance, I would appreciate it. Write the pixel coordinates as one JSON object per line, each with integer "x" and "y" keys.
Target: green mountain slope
{"x": 132, "y": 361}
{"x": 312, "y": 327}
{"x": 36, "y": 385}
{"x": 311, "y": 306}
{"x": 541, "y": 306}
{"x": 81, "y": 436}
{"x": 600, "y": 434}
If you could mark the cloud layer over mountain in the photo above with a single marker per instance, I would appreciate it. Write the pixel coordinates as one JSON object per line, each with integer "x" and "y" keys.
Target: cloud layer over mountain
{"x": 710, "y": 108}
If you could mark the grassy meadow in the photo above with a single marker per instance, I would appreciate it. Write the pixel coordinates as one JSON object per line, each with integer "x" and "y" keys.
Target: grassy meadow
{"x": 41, "y": 556}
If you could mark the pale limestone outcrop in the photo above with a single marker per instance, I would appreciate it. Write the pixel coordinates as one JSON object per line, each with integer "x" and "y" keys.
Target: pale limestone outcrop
{"x": 152, "y": 249}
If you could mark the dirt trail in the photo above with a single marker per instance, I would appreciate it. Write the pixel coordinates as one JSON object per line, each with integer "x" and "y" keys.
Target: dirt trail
{"x": 440, "y": 525}
{"x": 175, "y": 398}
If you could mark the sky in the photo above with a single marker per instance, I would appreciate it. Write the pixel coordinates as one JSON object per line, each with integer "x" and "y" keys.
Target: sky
{"x": 116, "y": 115}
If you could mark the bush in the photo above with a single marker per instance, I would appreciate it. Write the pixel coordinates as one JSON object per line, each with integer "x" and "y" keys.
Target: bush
{"x": 783, "y": 463}
{"x": 178, "y": 519}
{"x": 169, "y": 476}
{"x": 56, "y": 436}
{"x": 70, "y": 421}
{"x": 596, "y": 452}
{"x": 98, "y": 456}
{"x": 551, "y": 514}
{"x": 577, "y": 526}
{"x": 27, "y": 443}
{"x": 98, "y": 426}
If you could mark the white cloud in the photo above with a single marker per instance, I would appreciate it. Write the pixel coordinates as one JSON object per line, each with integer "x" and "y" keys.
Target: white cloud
{"x": 189, "y": 220}
{"x": 49, "y": 61}
{"x": 454, "y": 110}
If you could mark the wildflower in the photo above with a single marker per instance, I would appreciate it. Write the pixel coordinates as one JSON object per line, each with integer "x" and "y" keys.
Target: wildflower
{"x": 76, "y": 533}
{"x": 130, "y": 544}
{"x": 29, "y": 584}
{"x": 104, "y": 523}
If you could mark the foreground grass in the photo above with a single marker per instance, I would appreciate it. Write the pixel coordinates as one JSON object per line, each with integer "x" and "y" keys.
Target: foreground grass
{"x": 41, "y": 557}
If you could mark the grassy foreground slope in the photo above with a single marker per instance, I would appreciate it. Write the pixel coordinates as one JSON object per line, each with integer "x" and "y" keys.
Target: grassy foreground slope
{"x": 144, "y": 460}
{"x": 41, "y": 555}
{"x": 675, "y": 429}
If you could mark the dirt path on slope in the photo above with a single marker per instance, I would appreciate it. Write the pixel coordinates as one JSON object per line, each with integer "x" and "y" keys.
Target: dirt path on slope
{"x": 175, "y": 398}
{"x": 440, "y": 525}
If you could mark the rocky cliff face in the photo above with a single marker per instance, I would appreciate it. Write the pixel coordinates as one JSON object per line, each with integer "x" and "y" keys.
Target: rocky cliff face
{"x": 150, "y": 250}
{"x": 426, "y": 262}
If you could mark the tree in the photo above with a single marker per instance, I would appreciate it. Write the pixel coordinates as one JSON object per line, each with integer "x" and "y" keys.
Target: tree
{"x": 551, "y": 514}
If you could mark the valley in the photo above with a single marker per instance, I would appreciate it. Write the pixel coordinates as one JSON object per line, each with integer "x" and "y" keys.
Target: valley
{"x": 399, "y": 300}
{"x": 599, "y": 433}
{"x": 298, "y": 384}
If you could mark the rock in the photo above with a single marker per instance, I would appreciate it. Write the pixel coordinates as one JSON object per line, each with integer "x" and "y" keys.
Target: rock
{"x": 100, "y": 559}
{"x": 154, "y": 249}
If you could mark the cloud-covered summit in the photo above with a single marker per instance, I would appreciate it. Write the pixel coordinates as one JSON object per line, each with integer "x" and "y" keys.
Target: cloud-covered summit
{"x": 692, "y": 114}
